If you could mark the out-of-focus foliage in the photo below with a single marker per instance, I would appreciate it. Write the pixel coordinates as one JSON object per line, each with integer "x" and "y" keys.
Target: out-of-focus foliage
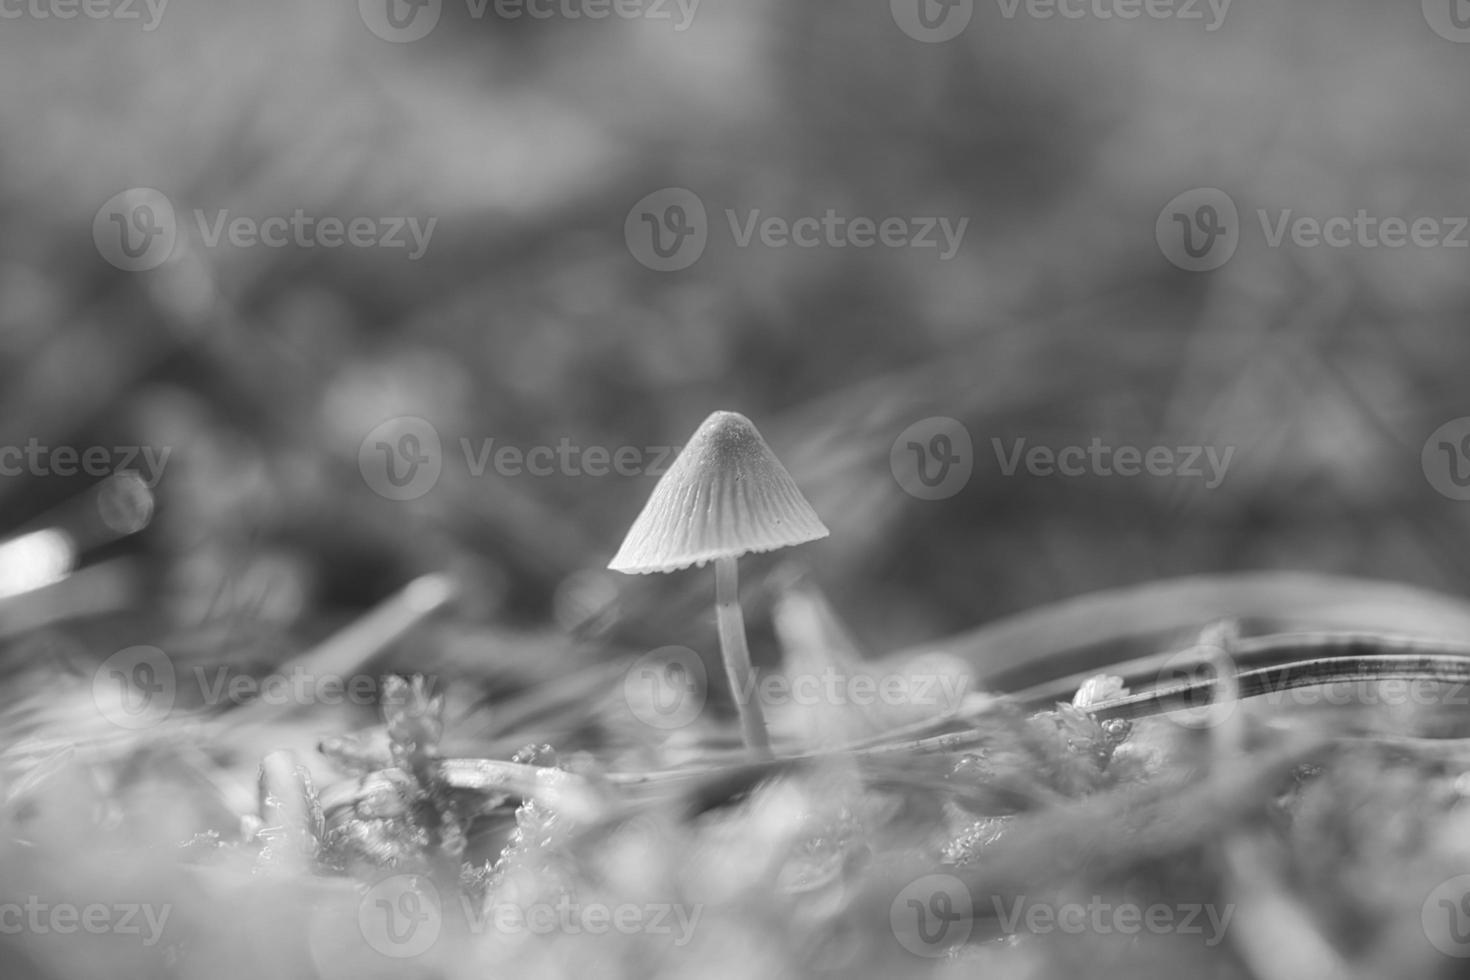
{"x": 527, "y": 321}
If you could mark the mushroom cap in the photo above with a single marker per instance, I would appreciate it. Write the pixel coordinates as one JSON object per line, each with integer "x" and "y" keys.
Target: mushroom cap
{"x": 726, "y": 495}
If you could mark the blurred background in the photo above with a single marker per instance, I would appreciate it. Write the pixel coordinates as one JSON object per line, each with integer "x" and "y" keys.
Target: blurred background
{"x": 529, "y": 320}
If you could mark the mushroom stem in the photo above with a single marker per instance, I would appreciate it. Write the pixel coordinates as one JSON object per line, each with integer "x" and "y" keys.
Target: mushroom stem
{"x": 737, "y": 658}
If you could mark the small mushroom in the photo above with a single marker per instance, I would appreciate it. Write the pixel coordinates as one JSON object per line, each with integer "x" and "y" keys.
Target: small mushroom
{"x": 726, "y": 495}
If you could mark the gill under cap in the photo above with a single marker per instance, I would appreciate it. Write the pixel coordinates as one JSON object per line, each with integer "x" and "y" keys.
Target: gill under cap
{"x": 726, "y": 495}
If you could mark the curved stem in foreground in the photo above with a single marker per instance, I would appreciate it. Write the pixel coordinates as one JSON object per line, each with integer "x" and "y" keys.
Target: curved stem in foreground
{"x": 1277, "y": 679}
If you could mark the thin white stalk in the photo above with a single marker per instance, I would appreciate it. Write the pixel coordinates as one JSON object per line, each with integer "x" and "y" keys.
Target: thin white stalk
{"x": 737, "y": 658}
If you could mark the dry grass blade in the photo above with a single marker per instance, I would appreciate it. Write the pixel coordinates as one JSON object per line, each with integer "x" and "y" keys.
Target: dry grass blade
{"x": 1087, "y": 634}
